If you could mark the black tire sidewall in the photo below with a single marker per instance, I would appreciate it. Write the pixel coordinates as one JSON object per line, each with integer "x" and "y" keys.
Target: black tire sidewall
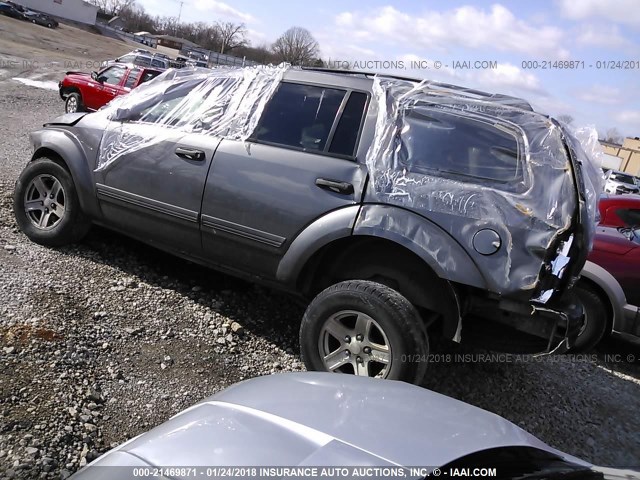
{"x": 398, "y": 319}
{"x": 596, "y": 320}
{"x": 67, "y": 230}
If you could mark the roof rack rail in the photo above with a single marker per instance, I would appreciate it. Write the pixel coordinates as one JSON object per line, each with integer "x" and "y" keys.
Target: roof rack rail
{"x": 507, "y": 99}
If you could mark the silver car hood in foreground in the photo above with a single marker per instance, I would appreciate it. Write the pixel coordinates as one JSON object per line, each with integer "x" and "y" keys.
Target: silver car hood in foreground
{"x": 319, "y": 419}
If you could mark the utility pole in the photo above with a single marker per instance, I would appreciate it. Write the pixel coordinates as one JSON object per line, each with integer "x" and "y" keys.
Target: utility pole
{"x": 180, "y": 11}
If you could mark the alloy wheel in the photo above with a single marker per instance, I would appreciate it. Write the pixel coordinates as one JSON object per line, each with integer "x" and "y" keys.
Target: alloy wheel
{"x": 44, "y": 202}
{"x": 72, "y": 105}
{"x": 353, "y": 342}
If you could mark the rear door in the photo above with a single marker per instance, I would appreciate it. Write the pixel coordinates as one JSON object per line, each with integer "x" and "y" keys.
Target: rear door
{"x": 298, "y": 165}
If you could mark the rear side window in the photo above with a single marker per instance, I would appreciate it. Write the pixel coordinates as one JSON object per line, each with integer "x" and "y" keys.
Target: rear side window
{"x": 299, "y": 116}
{"x": 142, "y": 61}
{"x": 131, "y": 79}
{"x": 439, "y": 143}
{"x": 148, "y": 75}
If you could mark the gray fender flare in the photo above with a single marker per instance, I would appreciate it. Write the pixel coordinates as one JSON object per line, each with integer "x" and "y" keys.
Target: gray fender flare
{"x": 611, "y": 288}
{"x": 332, "y": 226}
{"x": 68, "y": 148}
{"x": 446, "y": 257}
{"x": 449, "y": 260}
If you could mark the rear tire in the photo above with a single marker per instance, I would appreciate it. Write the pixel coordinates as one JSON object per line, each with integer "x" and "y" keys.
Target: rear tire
{"x": 364, "y": 328}
{"x": 46, "y": 205}
{"x": 73, "y": 103}
{"x": 595, "y": 313}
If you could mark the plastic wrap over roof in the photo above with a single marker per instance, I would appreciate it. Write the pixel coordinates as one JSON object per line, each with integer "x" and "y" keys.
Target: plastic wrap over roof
{"x": 518, "y": 182}
{"x": 225, "y": 102}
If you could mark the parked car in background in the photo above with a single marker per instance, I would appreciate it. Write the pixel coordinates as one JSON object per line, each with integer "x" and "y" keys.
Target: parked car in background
{"x": 268, "y": 173}
{"x": 610, "y": 283}
{"x": 140, "y": 59}
{"x": 619, "y": 210}
{"x": 179, "y": 62}
{"x": 9, "y": 10}
{"x": 41, "y": 19}
{"x": 91, "y": 91}
{"x": 304, "y": 422}
{"x": 618, "y": 183}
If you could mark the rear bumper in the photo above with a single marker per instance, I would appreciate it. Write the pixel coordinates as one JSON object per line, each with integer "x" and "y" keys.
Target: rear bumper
{"x": 524, "y": 327}
{"x": 564, "y": 319}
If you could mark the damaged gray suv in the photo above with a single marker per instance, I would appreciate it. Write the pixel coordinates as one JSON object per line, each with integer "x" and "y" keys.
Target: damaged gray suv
{"x": 398, "y": 209}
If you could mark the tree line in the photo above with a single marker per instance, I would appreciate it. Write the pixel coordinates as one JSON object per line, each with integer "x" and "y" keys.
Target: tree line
{"x": 296, "y": 46}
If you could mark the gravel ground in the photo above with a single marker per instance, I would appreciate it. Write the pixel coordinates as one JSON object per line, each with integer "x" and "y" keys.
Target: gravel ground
{"x": 106, "y": 339}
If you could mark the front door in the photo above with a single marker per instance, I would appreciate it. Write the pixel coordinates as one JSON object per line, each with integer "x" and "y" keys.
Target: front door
{"x": 108, "y": 87}
{"x": 153, "y": 184}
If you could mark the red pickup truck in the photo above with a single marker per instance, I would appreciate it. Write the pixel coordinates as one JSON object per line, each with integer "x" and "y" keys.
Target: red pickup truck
{"x": 90, "y": 91}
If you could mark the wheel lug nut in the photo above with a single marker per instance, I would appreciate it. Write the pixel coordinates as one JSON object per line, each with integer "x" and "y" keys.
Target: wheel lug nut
{"x": 359, "y": 337}
{"x": 359, "y": 359}
{"x": 367, "y": 350}
{"x": 347, "y": 353}
{"x": 347, "y": 339}
{"x": 51, "y": 196}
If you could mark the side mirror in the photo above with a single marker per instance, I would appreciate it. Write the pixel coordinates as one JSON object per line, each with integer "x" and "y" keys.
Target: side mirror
{"x": 94, "y": 75}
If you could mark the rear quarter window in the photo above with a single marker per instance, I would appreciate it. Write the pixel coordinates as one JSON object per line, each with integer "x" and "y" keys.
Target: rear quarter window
{"x": 453, "y": 145}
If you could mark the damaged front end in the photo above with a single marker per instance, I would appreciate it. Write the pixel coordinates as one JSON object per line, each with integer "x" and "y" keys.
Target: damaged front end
{"x": 514, "y": 188}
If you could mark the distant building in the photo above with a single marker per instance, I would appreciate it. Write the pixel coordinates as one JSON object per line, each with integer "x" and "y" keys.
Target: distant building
{"x": 170, "y": 41}
{"x": 75, "y": 10}
{"x": 629, "y": 153}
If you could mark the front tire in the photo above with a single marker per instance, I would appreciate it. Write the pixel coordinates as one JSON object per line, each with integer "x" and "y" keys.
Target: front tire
{"x": 46, "y": 205}
{"x": 595, "y": 327}
{"x": 364, "y": 328}
{"x": 73, "y": 103}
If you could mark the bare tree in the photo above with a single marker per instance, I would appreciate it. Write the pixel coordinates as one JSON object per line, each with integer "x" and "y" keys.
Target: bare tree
{"x": 113, "y": 7}
{"x": 613, "y": 136}
{"x": 232, "y": 35}
{"x": 296, "y": 46}
{"x": 136, "y": 19}
{"x": 102, "y": 5}
{"x": 565, "y": 118}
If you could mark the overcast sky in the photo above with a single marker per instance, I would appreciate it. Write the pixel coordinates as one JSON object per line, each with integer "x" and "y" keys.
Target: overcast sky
{"x": 511, "y": 32}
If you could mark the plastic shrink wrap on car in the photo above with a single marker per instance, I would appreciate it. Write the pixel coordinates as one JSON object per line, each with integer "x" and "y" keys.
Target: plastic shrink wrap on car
{"x": 225, "y": 102}
{"x": 530, "y": 202}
